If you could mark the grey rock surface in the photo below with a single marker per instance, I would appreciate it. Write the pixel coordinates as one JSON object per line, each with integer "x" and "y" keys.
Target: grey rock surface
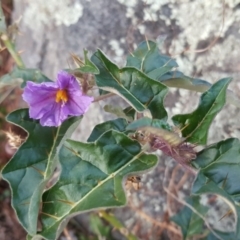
{"x": 52, "y": 29}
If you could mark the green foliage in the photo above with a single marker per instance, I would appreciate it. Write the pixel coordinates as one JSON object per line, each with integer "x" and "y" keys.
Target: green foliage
{"x": 118, "y": 111}
{"x": 220, "y": 235}
{"x": 197, "y": 123}
{"x": 148, "y": 59}
{"x": 21, "y": 75}
{"x": 129, "y": 83}
{"x": 191, "y": 224}
{"x": 177, "y": 79}
{"x": 32, "y": 166}
{"x": 91, "y": 177}
{"x": 117, "y": 124}
{"x": 88, "y": 66}
{"x": 98, "y": 227}
{"x": 92, "y": 173}
{"x": 219, "y": 166}
{"x": 110, "y": 218}
{"x": 130, "y": 112}
{"x": 144, "y": 122}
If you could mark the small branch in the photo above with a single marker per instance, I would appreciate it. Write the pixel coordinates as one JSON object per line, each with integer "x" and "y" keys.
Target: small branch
{"x": 182, "y": 181}
{"x": 102, "y": 97}
{"x": 66, "y": 233}
{"x": 164, "y": 225}
{"x": 171, "y": 186}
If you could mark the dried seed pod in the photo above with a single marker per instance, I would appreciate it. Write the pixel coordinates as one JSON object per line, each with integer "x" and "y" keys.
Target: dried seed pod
{"x": 170, "y": 143}
{"x": 14, "y": 140}
{"x": 171, "y": 138}
{"x": 133, "y": 182}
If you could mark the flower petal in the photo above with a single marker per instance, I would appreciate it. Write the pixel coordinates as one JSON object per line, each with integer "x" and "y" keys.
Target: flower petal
{"x": 54, "y": 116}
{"x": 67, "y": 81}
{"x": 40, "y": 97}
{"x": 42, "y": 100}
{"x": 77, "y": 104}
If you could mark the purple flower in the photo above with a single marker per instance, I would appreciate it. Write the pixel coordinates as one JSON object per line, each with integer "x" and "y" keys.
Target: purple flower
{"x": 53, "y": 102}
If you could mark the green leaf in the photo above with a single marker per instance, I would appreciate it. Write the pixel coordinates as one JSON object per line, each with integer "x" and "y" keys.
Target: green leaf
{"x": 191, "y": 223}
{"x": 177, "y": 79}
{"x": 89, "y": 66}
{"x": 148, "y": 59}
{"x": 21, "y": 75}
{"x": 222, "y": 235}
{"x": 91, "y": 177}
{"x": 118, "y": 111}
{"x": 144, "y": 122}
{"x": 33, "y": 164}
{"x": 197, "y": 123}
{"x": 117, "y": 124}
{"x": 219, "y": 166}
{"x": 111, "y": 219}
{"x": 130, "y": 83}
{"x": 3, "y": 26}
{"x": 130, "y": 112}
{"x": 99, "y": 228}
{"x": 220, "y": 162}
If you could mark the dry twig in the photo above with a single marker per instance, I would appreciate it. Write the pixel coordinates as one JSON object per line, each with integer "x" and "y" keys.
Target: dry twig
{"x": 148, "y": 218}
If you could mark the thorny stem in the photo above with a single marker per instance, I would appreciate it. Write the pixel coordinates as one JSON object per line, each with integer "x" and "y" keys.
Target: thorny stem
{"x": 102, "y": 97}
{"x": 11, "y": 48}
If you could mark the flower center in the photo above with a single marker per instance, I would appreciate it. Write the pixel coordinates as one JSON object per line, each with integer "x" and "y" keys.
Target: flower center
{"x": 61, "y": 96}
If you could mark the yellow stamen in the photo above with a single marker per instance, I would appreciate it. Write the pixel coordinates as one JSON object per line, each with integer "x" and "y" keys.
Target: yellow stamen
{"x": 61, "y": 96}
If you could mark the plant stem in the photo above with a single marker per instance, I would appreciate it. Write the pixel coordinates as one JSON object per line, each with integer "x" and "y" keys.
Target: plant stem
{"x": 110, "y": 218}
{"x": 102, "y": 97}
{"x": 11, "y": 48}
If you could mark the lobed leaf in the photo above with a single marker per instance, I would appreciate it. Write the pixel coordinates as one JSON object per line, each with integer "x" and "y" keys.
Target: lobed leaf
{"x": 197, "y": 123}
{"x": 144, "y": 122}
{"x": 86, "y": 67}
{"x": 91, "y": 177}
{"x": 130, "y": 83}
{"x": 117, "y": 124}
{"x": 191, "y": 223}
{"x": 177, "y": 79}
{"x": 219, "y": 166}
{"x": 221, "y": 235}
{"x": 89, "y": 66}
{"x": 148, "y": 59}
{"x": 21, "y": 75}
{"x": 118, "y": 111}
{"x": 33, "y": 164}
